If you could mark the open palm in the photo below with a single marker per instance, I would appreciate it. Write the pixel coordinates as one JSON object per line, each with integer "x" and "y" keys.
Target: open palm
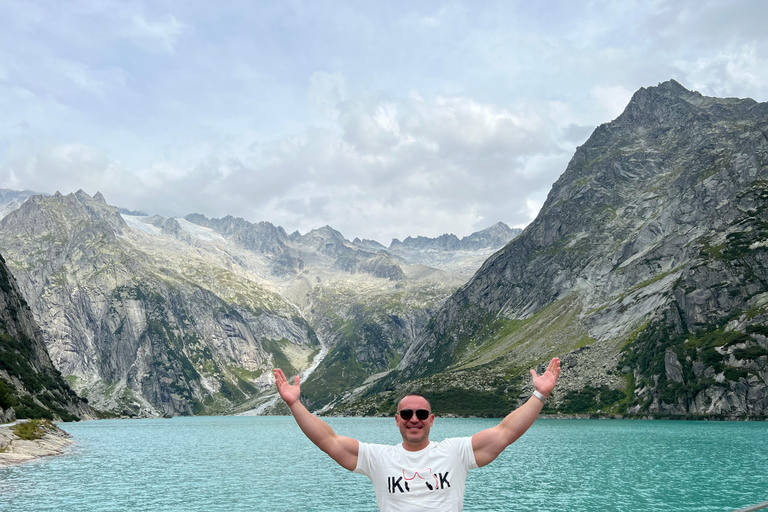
{"x": 545, "y": 382}
{"x": 289, "y": 393}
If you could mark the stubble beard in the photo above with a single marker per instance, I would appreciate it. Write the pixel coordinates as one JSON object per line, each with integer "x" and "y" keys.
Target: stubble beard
{"x": 415, "y": 436}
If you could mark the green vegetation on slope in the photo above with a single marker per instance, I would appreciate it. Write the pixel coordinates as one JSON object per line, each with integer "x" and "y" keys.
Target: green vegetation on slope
{"x": 32, "y": 429}
{"x": 486, "y": 338}
{"x": 590, "y": 400}
{"x": 342, "y": 370}
{"x": 50, "y": 392}
{"x": 708, "y": 348}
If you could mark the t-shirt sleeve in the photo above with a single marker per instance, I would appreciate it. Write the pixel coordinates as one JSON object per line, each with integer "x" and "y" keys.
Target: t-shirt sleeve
{"x": 466, "y": 453}
{"x": 366, "y": 459}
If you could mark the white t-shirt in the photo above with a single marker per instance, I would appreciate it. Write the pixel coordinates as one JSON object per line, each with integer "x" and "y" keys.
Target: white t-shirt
{"x": 429, "y": 479}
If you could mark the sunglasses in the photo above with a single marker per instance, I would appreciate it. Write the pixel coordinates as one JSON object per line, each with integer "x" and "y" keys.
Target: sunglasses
{"x": 421, "y": 414}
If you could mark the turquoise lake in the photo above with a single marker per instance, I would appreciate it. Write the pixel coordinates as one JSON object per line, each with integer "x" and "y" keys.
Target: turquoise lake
{"x": 265, "y": 463}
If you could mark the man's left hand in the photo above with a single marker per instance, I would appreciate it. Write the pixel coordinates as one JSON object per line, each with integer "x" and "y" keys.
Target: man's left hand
{"x": 545, "y": 382}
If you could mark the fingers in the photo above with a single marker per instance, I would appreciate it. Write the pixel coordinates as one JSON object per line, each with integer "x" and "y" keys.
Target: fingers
{"x": 281, "y": 380}
{"x": 554, "y": 366}
{"x": 554, "y": 363}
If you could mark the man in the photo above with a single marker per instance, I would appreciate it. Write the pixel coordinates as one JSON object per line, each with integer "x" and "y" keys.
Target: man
{"x": 419, "y": 474}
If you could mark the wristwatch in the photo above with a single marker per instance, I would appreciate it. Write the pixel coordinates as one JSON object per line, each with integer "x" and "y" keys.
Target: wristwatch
{"x": 539, "y": 396}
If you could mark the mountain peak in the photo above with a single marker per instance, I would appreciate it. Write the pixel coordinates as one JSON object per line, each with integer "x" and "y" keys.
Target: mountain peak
{"x": 674, "y": 87}
{"x": 494, "y": 237}
{"x": 325, "y": 232}
{"x": 62, "y": 212}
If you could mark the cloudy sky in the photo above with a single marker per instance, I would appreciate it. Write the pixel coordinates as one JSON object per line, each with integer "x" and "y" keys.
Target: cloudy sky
{"x": 381, "y": 119}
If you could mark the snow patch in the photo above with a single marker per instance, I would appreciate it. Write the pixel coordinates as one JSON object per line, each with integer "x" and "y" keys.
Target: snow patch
{"x": 200, "y": 232}
{"x": 139, "y": 222}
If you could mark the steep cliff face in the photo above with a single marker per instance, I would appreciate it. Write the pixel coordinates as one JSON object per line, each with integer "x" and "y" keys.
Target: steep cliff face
{"x": 141, "y": 329}
{"x": 30, "y": 386}
{"x": 645, "y": 270}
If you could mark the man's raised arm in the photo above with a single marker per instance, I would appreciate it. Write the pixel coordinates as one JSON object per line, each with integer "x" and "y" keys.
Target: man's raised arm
{"x": 488, "y": 444}
{"x": 341, "y": 449}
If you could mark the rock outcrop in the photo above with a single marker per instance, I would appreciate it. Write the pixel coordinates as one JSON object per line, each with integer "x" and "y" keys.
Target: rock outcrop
{"x": 51, "y": 440}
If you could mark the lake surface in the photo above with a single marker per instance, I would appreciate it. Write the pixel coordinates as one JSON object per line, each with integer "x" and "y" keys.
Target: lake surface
{"x": 259, "y": 463}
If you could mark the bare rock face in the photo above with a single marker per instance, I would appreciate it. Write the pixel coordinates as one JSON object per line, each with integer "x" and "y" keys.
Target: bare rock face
{"x": 347, "y": 256}
{"x": 673, "y": 368}
{"x": 655, "y": 239}
{"x": 30, "y": 386}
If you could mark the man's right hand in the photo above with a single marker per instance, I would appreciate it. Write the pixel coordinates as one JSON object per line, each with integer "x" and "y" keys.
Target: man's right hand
{"x": 290, "y": 394}
{"x": 343, "y": 450}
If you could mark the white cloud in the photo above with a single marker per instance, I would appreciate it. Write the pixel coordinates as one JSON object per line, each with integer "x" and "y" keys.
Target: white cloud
{"x": 734, "y": 69}
{"x": 55, "y": 167}
{"x": 611, "y": 100}
{"x": 532, "y": 207}
{"x": 162, "y": 33}
{"x": 451, "y": 165}
{"x": 326, "y": 91}
{"x": 130, "y": 20}
{"x": 398, "y": 167}
{"x": 382, "y": 120}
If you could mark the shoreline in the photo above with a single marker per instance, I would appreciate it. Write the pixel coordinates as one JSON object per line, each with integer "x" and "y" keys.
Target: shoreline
{"x": 14, "y": 450}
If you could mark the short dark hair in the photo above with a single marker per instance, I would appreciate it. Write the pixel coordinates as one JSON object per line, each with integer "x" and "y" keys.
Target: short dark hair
{"x": 413, "y": 394}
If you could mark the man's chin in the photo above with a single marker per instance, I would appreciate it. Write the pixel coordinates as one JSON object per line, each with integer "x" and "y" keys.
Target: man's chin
{"x": 415, "y": 436}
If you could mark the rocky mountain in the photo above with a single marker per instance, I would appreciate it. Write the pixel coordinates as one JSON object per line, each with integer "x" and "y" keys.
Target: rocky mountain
{"x": 448, "y": 252}
{"x": 493, "y": 237}
{"x": 150, "y": 316}
{"x": 645, "y": 272}
{"x": 30, "y": 386}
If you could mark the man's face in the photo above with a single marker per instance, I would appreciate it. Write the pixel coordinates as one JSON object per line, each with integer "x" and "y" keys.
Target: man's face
{"x": 415, "y": 432}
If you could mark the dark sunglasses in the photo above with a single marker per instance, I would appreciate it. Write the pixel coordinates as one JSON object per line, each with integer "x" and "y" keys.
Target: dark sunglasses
{"x": 407, "y": 414}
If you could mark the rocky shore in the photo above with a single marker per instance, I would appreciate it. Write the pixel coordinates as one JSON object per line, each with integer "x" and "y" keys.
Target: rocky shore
{"x": 15, "y": 450}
